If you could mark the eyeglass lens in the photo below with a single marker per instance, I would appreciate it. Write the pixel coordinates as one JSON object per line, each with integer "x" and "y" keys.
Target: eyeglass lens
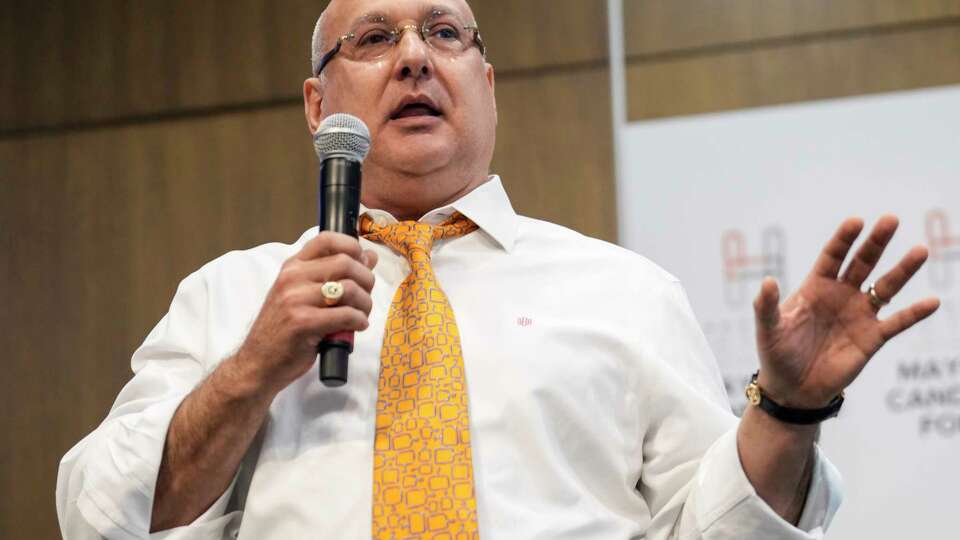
{"x": 375, "y": 36}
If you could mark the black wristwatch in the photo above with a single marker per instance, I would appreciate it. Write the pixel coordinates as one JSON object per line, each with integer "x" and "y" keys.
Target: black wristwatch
{"x": 755, "y": 396}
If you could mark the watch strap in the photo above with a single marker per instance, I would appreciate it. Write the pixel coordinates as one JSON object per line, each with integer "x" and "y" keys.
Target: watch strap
{"x": 756, "y": 396}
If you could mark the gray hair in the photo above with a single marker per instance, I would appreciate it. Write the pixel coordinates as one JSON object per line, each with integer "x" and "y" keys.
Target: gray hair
{"x": 316, "y": 44}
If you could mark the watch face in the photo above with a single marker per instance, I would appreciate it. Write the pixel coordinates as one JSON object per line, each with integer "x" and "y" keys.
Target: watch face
{"x": 753, "y": 394}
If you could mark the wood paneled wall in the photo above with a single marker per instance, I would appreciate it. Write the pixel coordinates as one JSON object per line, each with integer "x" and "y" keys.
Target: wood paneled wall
{"x": 140, "y": 139}
{"x": 700, "y": 56}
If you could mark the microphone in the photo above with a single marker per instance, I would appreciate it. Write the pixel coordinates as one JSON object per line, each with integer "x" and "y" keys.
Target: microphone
{"x": 341, "y": 143}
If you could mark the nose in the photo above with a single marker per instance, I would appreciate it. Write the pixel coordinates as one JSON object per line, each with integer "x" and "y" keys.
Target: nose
{"x": 413, "y": 55}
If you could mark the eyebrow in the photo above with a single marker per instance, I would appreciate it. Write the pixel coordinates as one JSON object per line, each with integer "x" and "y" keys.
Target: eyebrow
{"x": 379, "y": 16}
{"x": 373, "y": 16}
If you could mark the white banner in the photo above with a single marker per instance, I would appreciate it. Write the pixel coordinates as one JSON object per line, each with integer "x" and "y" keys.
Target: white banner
{"x": 722, "y": 200}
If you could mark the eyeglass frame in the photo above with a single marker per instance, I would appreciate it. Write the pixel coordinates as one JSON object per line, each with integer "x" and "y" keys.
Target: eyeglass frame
{"x": 421, "y": 31}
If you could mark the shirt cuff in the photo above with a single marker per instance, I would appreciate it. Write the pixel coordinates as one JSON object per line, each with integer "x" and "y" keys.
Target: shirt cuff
{"x": 214, "y": 524}
{"x": 121, "y": 470}
{"x": 728, "y": 506}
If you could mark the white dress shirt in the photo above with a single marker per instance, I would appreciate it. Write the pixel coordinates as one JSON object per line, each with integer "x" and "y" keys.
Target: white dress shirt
{"x": 596, "y": 407}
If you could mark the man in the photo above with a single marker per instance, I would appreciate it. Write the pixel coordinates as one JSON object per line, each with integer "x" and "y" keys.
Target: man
{"x": 524, "y": 382}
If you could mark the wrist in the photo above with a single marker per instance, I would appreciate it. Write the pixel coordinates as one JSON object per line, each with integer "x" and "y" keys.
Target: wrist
{"x": 758, "y": 397}
{"x": 755, "y": 420}
{"x": 778, "y": 460}
{"x": 786, "y": 396}
{"x": 240, "y": 379}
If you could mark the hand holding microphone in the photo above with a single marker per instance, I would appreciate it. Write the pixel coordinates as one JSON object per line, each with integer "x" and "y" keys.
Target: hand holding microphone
{"x": 302, "y": 315}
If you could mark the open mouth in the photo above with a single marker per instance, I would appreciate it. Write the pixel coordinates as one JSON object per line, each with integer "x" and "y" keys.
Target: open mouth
{"x": 409, "y": 111}
{"x": 412, "y": 108}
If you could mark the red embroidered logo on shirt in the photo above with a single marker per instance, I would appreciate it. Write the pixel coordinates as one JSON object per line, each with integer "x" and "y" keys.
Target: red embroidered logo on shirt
{"x": 524, "y": 321}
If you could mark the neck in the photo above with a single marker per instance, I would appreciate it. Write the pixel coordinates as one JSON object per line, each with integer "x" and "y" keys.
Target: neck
{"x": 409, "y": 197}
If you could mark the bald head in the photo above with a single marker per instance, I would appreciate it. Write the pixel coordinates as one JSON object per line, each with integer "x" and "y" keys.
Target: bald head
{"x": 318, "y": 45}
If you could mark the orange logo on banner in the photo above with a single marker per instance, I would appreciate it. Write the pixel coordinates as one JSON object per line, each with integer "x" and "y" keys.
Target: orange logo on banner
{"x": 741, "y": 268}
{"x": 944, "y": 248}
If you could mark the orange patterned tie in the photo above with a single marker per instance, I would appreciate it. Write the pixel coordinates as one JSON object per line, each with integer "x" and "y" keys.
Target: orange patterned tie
{"x": 422, "y": 467}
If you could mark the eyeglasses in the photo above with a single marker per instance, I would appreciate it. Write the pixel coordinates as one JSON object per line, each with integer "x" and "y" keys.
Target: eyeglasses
{"x": 374, "y": 38}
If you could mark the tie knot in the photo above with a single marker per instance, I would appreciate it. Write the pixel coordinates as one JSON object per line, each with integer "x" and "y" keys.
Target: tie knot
{"x": 412, "y": 237}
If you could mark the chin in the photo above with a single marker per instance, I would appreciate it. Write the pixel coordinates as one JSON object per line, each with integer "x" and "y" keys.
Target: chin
{"x": 418, "y": 156}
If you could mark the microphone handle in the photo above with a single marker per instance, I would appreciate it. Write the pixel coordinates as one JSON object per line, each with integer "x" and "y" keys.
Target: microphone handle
{"x": 339, "y": 211}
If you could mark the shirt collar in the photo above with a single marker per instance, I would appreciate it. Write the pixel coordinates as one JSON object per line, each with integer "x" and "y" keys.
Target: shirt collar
{"x": 487, "y": 205}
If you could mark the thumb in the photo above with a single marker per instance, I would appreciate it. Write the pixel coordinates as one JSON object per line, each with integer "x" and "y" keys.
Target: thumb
{"x": 766, "y": 307}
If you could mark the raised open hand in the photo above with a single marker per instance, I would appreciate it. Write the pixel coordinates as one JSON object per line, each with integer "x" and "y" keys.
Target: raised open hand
{"x": 816, "y": 343}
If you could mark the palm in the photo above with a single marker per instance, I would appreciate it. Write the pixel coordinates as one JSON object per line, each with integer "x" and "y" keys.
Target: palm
{"x": 816, "y": 343}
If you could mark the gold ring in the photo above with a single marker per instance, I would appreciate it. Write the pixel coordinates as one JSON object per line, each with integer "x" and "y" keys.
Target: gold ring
{"x": 332, "y": 292}
{"x": 875, "y": 299}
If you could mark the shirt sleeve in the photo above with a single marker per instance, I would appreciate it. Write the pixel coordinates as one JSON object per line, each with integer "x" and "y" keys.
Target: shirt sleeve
{"x": 106, "y": 483}
{"x": 724, "y": 505}
{"x": 692, "y": 479}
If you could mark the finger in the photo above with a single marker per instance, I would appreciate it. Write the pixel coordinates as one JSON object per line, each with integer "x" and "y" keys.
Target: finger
{"x": 337, "y": 268}
{"x": 330, "y": 243}
{"x": 766, "y": 306}
{"x": 328, "y": 320}
{"x": 831, "y": 258}
{"x": 905, "y": 318}
{"x": 353, "y": 295}
{"x": 890, "y": 284}
{"x": 869, "y": 253}
{"x": 370, "y": 258}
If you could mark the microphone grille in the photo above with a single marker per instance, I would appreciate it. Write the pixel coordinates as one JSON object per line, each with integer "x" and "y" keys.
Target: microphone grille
{"x": 342, "y": 135}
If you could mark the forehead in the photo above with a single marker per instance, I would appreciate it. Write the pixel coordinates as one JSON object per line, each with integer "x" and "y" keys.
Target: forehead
{"x": 342, "y": 13}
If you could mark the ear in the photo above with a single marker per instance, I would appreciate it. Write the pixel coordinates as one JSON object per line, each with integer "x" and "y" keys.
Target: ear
{"x": 313, "y": 103}
{"x": 492, "y": 82}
